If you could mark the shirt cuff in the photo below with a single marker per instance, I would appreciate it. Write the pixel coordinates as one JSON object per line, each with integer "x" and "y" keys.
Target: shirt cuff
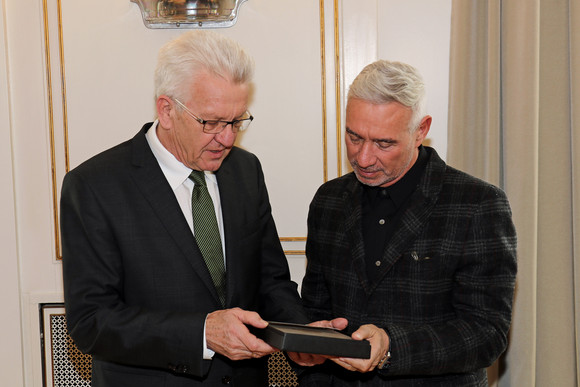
{"x": 207, "y": 353}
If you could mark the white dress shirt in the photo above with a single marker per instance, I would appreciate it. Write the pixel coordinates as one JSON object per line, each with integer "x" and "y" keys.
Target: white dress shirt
{"x": 177, "y": 175}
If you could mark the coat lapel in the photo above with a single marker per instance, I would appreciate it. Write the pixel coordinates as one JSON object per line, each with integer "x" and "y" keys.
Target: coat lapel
{"x": 352, "y": 207}
{"x": 411, "y": 224}
{"x": 231, "y": 215}
{"x": 416, "y": 214}
{"x": 149, "y": 178}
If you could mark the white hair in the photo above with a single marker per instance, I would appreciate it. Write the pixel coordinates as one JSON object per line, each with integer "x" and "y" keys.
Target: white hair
{"x": 385, "y": 81}
{"x": 182, "y": 58}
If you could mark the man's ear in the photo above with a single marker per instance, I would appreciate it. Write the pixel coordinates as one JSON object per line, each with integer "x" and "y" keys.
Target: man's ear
{"x": 423, "y": 130}
{"x": 164, "y": 107}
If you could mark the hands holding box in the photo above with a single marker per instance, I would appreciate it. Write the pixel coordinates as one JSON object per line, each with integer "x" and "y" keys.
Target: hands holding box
{"x": 312, "y": 344}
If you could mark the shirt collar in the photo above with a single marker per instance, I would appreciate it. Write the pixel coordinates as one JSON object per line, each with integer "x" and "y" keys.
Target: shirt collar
{"x": 402, "y": 189}
{"x": 174, "y": 170}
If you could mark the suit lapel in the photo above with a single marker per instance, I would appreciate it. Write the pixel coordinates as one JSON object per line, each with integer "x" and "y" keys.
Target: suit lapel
{"x": 411, "y": 224}
{"x": 149, "y": 178}
{"x": 231, "y": 215}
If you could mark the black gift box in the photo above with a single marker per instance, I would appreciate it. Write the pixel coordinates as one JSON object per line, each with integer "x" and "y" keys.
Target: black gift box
{"x": 316, "y": 340}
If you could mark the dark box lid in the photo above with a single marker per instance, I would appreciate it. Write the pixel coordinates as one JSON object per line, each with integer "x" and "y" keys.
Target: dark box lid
{"x": 316, "y": 340}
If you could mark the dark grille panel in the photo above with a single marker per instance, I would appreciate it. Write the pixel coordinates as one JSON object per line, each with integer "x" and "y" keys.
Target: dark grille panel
{"x": 71, "y": 368}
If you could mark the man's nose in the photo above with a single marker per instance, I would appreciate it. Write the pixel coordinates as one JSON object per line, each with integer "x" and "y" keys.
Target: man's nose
{"x": 365, "y": 156}
{"x": 226, "y": 137}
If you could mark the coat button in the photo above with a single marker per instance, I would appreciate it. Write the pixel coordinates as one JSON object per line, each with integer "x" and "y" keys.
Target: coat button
{"x": 226, "y": 380}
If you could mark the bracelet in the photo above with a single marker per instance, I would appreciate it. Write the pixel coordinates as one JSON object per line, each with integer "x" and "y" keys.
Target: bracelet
{"x": 385, "y": 361}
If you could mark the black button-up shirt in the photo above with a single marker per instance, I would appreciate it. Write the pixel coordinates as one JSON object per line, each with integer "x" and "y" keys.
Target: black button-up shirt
{"x": 382, "y": 209}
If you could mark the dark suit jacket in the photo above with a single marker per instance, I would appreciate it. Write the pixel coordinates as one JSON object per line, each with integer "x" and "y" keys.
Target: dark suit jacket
{"x": 137, "y": 290}
{"x": 445, "y": 285}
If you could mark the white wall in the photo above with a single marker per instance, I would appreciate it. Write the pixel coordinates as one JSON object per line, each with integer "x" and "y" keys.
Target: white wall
{"x": 418, "y": 32}
{"x": 100, "y": 92}
{"x": 11, "y": 365}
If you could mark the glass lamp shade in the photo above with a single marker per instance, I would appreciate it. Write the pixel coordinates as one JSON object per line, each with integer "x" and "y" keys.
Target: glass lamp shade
{"x": 189, "y": 13}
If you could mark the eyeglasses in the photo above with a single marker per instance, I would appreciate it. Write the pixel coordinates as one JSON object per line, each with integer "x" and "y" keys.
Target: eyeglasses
{"x": 217, "y": 126}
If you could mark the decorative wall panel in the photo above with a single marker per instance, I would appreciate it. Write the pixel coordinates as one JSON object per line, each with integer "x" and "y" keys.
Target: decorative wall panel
{"x": 64, "y": 364}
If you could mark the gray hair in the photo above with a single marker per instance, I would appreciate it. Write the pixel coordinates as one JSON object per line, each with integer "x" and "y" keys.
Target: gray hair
{"x": 384, "y": 81}
{"x": 182, "y": 58}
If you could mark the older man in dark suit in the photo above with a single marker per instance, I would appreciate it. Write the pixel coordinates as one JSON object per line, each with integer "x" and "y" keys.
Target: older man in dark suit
{"x": 418, "y": 256}
{"x": 149, "y": 295}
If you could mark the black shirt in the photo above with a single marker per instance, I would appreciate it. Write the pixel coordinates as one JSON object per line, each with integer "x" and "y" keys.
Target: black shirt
{"x": 382, "y": 209}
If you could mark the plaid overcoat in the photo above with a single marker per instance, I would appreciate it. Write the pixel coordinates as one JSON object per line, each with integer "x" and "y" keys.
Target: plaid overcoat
{"x": 445, "y": 286}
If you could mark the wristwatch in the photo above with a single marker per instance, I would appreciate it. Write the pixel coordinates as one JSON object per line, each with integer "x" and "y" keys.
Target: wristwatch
{"x": 385, "y": 361}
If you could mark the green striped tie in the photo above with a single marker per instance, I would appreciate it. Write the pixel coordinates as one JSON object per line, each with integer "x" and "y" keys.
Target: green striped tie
{"x": 207, "y": 233}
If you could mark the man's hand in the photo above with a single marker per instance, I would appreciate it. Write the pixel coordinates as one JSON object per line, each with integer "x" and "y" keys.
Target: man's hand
{"x": 309, "y": 359}
{"x": 379, "y": 346}
{"x": 226, "y": 333}
{"x": 338, "y": 323}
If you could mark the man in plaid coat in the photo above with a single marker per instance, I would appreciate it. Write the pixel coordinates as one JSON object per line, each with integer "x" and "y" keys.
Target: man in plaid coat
{"x": 418, "y": 256}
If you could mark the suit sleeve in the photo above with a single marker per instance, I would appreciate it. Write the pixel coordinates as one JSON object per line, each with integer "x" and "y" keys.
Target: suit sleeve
{"x": 99, "y": 319}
